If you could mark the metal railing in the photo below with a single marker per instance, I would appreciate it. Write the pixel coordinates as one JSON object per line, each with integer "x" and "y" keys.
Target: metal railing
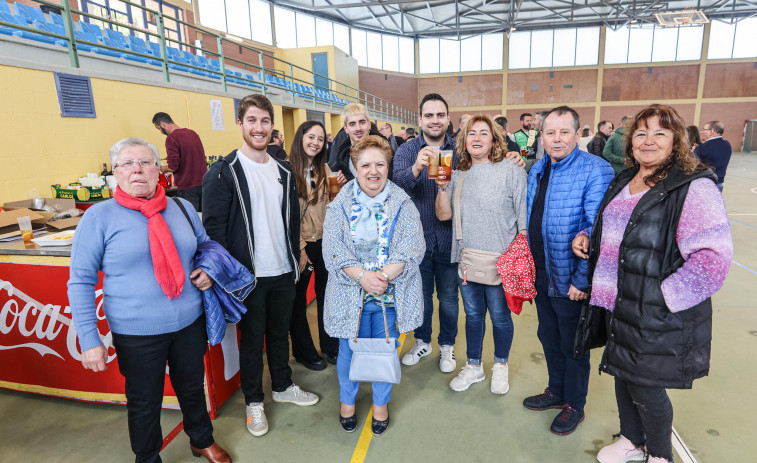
{"x": 381, "y": 108}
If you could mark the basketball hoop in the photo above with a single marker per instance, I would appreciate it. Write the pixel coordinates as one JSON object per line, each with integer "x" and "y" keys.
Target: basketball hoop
{"x": 690, "y": 16}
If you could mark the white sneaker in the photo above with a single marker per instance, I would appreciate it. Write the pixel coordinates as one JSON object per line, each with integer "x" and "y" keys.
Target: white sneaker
{"x": 419, "y": 350}
{"x": 500, "y": 380}
{"x": 467, "y": 376}
{"x": 621, "y": 451}
{"x": 295, "y": 395}
{"x": 257, "y": 424}
{"x": 447, "y": 361}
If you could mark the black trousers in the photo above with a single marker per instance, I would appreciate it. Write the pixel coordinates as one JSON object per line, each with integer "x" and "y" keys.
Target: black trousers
{"x": 193, "y": 195}
{"x": 646, "y": 417}
{"x": 142, "y": 362}
{"x": 269, "y": 311}
{"x": 303, "y": 347}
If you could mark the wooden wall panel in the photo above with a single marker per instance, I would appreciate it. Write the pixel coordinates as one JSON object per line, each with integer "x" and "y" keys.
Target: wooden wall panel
{"x": 400, "y": 90}
{"x": 474, "y": 90}
{"x": 540, "y": 88}
{"x": 615, "y": 113}
{"x": 733, "y": 115}
{"x": 730, "y": 80}
{"x": 663, "y": 83}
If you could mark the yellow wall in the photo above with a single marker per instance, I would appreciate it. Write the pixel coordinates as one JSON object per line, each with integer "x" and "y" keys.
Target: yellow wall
{"x": 40, "y": 148}
{"x": 342, "y": 67}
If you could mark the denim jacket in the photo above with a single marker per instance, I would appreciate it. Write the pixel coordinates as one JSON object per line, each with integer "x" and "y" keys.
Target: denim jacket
{"x": 232, "y": 282}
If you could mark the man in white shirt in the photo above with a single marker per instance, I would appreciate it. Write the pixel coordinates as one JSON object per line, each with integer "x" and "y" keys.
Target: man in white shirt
{"x": 253, "y": 212}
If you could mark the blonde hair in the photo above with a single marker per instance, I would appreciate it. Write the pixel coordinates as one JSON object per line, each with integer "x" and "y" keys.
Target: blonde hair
{"x": 352, "y": 109}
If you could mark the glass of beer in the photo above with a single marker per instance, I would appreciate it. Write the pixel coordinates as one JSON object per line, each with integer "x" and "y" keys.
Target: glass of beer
{"x": 25, "y": 225}
{"x": 444, "y": 175}
{"x": 334, "y": 186}
{"x": 524, "y": 152}
{"x": 433, "y": 164}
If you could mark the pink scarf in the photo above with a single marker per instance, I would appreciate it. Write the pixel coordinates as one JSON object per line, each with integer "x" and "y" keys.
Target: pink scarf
{"x": 165, "y": 259}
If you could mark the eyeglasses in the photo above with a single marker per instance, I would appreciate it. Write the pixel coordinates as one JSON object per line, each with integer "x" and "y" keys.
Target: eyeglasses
{"x": 144, "y": 163}
{"x": 705, "y": 129}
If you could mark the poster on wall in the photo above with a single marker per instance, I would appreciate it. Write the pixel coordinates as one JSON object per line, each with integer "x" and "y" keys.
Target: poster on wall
{"x": 216, "y": 114}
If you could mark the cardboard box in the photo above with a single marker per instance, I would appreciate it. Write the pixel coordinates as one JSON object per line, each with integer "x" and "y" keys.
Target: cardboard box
{"x": 83, "y": 193}
{"x": 42, "y": 218}
{"x": 9, "y": 221}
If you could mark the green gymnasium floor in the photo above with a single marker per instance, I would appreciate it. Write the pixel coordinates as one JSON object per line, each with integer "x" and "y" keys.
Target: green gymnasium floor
{"x": 432, "y": 423}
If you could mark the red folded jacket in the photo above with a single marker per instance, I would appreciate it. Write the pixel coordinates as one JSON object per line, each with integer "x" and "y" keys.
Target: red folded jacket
{"x": 516, "y": 267}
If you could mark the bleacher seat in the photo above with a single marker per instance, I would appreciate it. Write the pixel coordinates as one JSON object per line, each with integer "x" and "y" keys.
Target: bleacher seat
{"x": 252, "y": 84}
{"x": 155, "y": 49}
{"x": 30, "y": 13}
{"x": 92, "y": 29}
{"x": 138, "y": 45}
{"x": 4, "y": 8}
{"x": 57, "y": 19}
{"x": 21, "y": 21}
{"x": 117, "y": 37}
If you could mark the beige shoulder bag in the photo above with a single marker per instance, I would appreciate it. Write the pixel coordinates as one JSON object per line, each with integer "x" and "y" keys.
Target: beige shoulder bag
{"x": 475, "y": 265}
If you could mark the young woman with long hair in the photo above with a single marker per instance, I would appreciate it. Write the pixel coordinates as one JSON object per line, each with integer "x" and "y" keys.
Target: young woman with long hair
{"x": 308, "y": 156}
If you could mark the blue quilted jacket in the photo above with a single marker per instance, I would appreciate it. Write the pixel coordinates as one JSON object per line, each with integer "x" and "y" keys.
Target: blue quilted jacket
{"x": 232, "y": 283}
{"x": 576, "y": 187}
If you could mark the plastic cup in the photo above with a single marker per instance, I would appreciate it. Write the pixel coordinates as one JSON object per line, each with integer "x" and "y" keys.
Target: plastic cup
{"x": 433, "y": 164}
{"x": 444, "y": 175}
{"x": 334, "y": 186}
{"x": 25, "y": 225}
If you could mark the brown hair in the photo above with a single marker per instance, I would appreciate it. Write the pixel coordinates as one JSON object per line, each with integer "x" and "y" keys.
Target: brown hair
{"x": 681, "y": 154}
{"x": 368, "y": 142}
{"x": 499, "y": 145}
{"x": 256, "y": 101}
{"x": 298, "y": 158}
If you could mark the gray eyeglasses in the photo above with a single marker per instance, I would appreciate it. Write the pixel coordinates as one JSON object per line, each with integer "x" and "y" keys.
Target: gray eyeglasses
{"x": 144, "y": 163}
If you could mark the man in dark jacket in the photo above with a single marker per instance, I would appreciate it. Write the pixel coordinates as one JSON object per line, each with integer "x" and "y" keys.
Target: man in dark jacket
{"x": 251, "y": 208}
{"x": 715, "y": 152}
{"x": 565, "y": 189}
{"x": 597, "y": 144}
{"x": 276, "y": 147}
{"x": 356, "y": 126}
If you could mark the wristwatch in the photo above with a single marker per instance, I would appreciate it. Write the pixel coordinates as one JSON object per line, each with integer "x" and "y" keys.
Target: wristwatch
{"x": 384, "y": 274}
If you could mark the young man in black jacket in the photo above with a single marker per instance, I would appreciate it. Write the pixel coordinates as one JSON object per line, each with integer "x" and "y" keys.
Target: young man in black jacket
{"x": 251, "y": 209}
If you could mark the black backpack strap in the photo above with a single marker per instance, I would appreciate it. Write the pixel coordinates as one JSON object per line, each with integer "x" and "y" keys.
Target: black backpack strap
{"x": 181, "y": 206}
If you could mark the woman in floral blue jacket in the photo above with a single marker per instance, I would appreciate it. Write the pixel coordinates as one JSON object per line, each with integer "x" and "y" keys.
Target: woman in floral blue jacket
{"x": 372, "y": 246}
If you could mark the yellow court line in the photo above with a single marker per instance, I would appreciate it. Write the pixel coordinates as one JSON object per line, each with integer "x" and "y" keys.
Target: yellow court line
{"x": 358, "y": 456}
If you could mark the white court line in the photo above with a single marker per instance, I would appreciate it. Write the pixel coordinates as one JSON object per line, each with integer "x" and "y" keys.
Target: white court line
{"x": 740, "y": 214}
{"x": 681, "y": 449}
{"x": 754, "y": 190}
{"x": 744, "y": 267}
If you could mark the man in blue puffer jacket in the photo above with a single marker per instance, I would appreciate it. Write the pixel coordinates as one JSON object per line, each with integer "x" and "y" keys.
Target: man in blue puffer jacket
{"x": 564, "y": 193}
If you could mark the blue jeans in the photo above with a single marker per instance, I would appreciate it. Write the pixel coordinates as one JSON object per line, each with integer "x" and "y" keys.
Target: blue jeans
{"x": 477, "y": 298}
{"x": 438, "y": 268}
{"x": 371, "y": 326}
{"x": 558, "y": 322}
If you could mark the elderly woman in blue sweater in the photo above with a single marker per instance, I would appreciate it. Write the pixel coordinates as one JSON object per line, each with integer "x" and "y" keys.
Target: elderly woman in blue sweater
{"x": 372, "y": 246}
{"x": 145, "y": 246}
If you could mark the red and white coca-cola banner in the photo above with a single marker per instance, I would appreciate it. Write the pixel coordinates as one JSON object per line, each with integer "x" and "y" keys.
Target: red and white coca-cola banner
{"x": 40, "y": 353}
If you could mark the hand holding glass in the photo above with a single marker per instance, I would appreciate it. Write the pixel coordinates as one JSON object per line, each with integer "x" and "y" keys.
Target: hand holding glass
{"x": 433, "y": 164}
{"x": 444, "y": 174}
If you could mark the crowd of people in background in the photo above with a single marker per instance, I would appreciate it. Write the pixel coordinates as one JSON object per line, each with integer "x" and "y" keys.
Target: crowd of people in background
{"x": 625, "y": 229}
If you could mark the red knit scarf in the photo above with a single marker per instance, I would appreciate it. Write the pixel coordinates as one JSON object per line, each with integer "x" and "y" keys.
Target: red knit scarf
{"x": 165, "y": 259}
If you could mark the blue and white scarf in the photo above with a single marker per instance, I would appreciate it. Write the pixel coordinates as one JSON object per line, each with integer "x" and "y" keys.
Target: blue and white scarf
{"x": 369, "y": 223}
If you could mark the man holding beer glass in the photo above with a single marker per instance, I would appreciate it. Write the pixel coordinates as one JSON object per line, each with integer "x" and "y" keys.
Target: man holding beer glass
{"x": 416, "y": 165}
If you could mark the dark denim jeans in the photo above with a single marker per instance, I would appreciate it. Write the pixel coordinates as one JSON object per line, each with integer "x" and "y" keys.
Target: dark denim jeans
{"x": 558, "y": 321}
{"x": 437, "y": 268}
{"x": 142, "y": 362}
{"x": 646, "y": 417}
{"x": 477, "y": 298}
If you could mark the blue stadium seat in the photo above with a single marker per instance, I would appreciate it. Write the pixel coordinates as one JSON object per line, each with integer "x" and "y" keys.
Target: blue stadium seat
{"x": 57, "y": 19}
{"x": 139, "y": 45}
{"x": 252, "y": 84}
{"x": 155, "y": 49}
{"x": 21, "y": 21}
{"x": 4, "y": 8}
{"x": 92, "y": 29}
{"x": 215, "y": 65}
{"x": 30, "y": 13}
{"x": 117, "y": 37}
{"x": 175, "y": 55}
